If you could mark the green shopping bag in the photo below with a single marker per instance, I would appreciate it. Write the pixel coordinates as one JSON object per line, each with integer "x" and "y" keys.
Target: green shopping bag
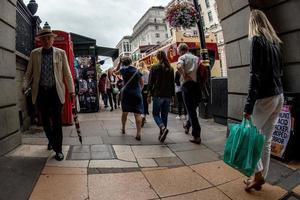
{"x": 243, "y": 147}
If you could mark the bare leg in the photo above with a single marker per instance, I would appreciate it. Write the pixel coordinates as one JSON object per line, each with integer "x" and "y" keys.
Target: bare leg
{"x": 124, "y": 119}
{"x": 138, "y": 122}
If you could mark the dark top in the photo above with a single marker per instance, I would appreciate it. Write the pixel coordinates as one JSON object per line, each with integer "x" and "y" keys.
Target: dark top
{"x": 132, "y": 92}
{"x": 265, "y": 71}
{"x": 47, "y": 78}
{"x": 177, "y": 78}
{"x": 161, "y": 81}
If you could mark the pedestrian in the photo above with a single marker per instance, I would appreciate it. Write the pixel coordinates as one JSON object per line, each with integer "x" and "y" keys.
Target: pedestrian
{"x": 265, "y": 95}
{"x": 131, "y": 100}
{"x": 102, "y": 89}
{"x": 46, "y": 72}
{"x": 145, "y": 72}
{"x": 178, "y": 91}
{"x": 162, "y": 89}
{"x": 187, "y": 66}
{"x": 111, "y": 85}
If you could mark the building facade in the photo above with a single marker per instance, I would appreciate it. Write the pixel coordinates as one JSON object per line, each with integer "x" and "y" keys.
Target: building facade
{"x": 151, "y": 29}
{"x": 285, "y": 17}
{"x": 211, "y": 23}
{"x": 124, "y": 46}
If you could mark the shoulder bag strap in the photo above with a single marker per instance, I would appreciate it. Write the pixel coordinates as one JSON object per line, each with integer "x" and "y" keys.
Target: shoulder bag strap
{"x": 129, "y": 80}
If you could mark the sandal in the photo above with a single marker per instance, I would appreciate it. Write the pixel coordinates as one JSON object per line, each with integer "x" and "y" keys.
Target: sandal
{"x": 138, "y": 138}
{"x": 252, "y": 184}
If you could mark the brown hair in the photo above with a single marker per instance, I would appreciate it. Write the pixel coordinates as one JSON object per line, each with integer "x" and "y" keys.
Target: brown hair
{"x": 126, "y": 61}
{"x": 162, "y": 57}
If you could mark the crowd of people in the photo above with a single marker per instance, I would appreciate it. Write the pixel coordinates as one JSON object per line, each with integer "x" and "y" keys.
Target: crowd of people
{"x": 134, "y": 88}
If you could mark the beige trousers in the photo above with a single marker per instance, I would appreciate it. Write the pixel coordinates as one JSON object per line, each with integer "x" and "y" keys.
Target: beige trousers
{"x": 265, "y": 115}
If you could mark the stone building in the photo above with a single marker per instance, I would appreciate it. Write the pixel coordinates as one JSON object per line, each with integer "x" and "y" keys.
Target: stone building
{"x": 124, "y": 46}
{"x": 151, "y": 29}
{"x": 17, "y": 29}
{"x": 234, "y": 15}
{"x": 211, "y": 22}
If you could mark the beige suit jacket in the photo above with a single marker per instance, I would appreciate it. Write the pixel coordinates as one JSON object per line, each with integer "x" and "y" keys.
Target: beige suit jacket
{"x": 61, "y": 72}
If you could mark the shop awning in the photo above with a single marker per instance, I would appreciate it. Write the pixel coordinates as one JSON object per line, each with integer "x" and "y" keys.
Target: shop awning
{"x": 87, "y": 46}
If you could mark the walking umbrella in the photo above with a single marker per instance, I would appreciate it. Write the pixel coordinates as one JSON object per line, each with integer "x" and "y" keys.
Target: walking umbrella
{"x": 75, "y": 117}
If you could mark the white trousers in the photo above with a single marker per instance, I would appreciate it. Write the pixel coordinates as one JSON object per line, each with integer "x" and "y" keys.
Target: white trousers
{"x": 265, "y": 115}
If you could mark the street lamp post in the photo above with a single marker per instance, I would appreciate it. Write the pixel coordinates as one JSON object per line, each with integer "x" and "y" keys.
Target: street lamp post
{"x": 204, "y": 52}
{"x": 205, "y": 57}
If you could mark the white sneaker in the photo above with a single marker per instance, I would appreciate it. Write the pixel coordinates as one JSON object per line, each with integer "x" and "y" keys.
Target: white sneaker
{"x": 178, "y": 117}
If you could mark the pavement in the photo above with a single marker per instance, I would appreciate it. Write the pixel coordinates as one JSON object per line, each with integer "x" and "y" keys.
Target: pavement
{"x": 110, "y": 165}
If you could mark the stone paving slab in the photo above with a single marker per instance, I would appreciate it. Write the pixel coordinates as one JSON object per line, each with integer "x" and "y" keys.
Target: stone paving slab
{"x": 64, "y": 171}
{"x": 92, "y": 140}
{"x": 235, "y": 190}
{"x": 152, "y": 151}
{"x": 217, "y": 144}
{"x": 35, "y": 141}
{"x": 111, "y": 164}
{"x": 67, "y": 187}
{"x": 168, "y": 162}
{"x": 146, "y": 162}
{"x": 167, "y": 182}
{"x": 31, "y": 151}
{"x": 186, "y": 146}
{"x": 291, "y": 181}
{"x": 129, "y": 140}
{"x": 297, "y": 189}
{"x": 131, "y": 186}
{"x": 277, "y": 172}
{"x": 217, "y": 172}
{"x": 67, "y": 163}
{"x": 197, "y": 156}
{"x": 208, "y": 194}
{"x": 124, "y": 152}
{"x": 18, "y": 176}
{"x": 111, "y": 170}
{"x": 179, "y": 137}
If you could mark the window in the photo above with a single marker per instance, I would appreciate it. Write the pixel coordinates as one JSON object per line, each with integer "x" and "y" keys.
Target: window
{"x": 166, "y": 35}
{"x": 207, "y": 3}
{"x": 154, "y": 20}
{"x": 156, "y": 27}
{"x": 157, "y": 35}
{"x": 210, "y": 17}
{"x": 127, "y": 47}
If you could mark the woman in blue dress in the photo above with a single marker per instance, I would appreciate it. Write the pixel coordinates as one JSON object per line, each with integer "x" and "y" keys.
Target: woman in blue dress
{"x": 131, "y": 94}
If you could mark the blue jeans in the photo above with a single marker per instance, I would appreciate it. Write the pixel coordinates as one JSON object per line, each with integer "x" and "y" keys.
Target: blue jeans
{"x": 160, "y": 111}
{"x": 191, "y": 103}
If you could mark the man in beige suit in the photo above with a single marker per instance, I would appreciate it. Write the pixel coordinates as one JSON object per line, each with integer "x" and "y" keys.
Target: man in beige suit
{"x": 46, "y": 72}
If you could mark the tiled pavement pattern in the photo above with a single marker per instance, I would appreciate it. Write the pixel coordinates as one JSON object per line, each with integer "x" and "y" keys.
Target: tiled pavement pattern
{"x": 110, "y": 165}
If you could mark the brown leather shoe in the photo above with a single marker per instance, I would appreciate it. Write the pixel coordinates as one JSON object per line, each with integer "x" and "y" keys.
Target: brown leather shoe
{"x": 196, "y": 140}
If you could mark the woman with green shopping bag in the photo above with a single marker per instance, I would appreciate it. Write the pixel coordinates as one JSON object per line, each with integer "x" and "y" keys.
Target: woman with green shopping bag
{"x": 265, "y": 96}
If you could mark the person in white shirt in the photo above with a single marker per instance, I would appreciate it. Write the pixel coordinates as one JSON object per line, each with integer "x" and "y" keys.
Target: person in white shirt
{"x": 187, "y": 66}
{"x": 145, "y": 72}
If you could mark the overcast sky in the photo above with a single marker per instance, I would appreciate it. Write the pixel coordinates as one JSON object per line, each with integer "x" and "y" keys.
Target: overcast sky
{"x": 107, "y": 21}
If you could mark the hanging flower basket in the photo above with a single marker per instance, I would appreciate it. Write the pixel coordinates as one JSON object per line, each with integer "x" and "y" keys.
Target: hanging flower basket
{"x": 182, "y": 15}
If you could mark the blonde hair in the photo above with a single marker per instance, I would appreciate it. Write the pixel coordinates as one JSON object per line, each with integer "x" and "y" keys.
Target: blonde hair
{"x": 259, "y": 25}
{"x": 142, "y": 66}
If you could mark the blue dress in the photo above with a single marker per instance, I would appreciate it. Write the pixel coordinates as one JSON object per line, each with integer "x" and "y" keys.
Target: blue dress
{"x": 132, "y": 100}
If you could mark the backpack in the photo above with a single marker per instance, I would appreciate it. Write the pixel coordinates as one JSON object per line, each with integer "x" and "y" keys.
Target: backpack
{"x": 203, "y": 79}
